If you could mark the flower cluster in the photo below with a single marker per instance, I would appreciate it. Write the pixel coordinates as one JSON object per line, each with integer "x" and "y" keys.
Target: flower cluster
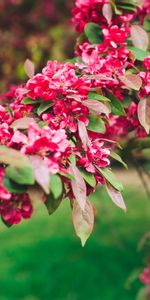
{"x": 145, "y": 276}
{"x": 59, "y": 130}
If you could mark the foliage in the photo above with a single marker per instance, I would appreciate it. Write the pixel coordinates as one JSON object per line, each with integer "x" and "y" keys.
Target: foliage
{"x": 65, "y": 121}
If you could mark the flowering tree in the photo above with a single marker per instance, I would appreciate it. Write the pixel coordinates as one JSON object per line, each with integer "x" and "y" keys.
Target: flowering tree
{"x": 60, "y": 131}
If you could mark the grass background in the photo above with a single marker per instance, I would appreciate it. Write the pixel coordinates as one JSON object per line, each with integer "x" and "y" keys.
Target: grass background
{"x": 42, "y": 258}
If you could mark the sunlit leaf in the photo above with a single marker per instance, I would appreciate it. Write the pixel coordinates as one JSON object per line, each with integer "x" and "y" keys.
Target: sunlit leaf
{"x": 83, "y": 134}
{"x": 83, "y": 220}
{"x": 97, "y": 106}
{"x": 29, "y": 68}
{"x": 36, "y": 195}
{"x": 139, "y": 37}
{"x": 78, "y": 186}
{"x": 132, "y": 81}
{"x": 107, "y": 12}
{"x": 41, "y": 172}
{"x": 115, "y": 196}
{"x": 22, "y": 123}
{"x": 13, "y": 157}
{"x": 143, "y": 112}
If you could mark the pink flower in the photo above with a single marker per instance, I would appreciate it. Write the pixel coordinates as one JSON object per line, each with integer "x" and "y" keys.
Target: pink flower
{"x": 4, "y": 194}
{"x": 18, "y": 207}
{"x": 146, "y": 63}
{"x": 57, "y": 80}
{"x": 96, "y": 155}
{"x": 52, "y": 145}
{"x": 145, "y": 276}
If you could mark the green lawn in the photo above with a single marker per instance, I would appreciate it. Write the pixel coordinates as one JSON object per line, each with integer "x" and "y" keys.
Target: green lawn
{"x": 42, "y": 259}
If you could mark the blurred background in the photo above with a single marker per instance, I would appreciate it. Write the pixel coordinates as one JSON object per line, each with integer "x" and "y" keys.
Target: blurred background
{"x": 42, "y": 259}
{"x": 34, "y": 29}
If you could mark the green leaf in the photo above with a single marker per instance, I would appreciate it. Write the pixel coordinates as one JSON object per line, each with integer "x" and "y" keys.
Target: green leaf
{"x": 56, "y": 186}
{"x": 118, "y": 158}
{"x": 52, "y": 203}
{"x": 20, "y": 175}
{"x": 126, "y": 2}
{"x": 89, "y": 178}
{"x": 94, "y": 96}
{"x": 10, "y": 111}
{"x": 117, "y": 108}
{"x": 27, "y": 100}
{"x": 42, "y": 124}
{"x": 110, "y": 177}
{"x": 139, "y": 53}
{"x": 146, "y": 23}
{"x": 72, "y": 159}
{"x": 43, "y": 107}
{"x": 142, "y": 295}
{"x": 114, "y": 7}
{"x": 13, "y": 187}
{"x": 67, "y": 175}
{"x": 96, "y": 124}
{"x": 127, "y": 7}
{"x": 126, "y": 101}
{"x": 94, "y": 33}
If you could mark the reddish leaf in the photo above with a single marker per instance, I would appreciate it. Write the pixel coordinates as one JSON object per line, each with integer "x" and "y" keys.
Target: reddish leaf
{"x": 97, "y": 106}
{"x": 13, "y": 157}
{"x": 75, "y": 97}
{"x": 36, "y": 195}
{"x": 144, "y": 113}
{"x": 139, "y": 37}
{"x": 83, "y": 220}
{"x": 29, "y": 68}
{"x": 116, "y": 196}
{"x": 41, "y": 172}
{"x": 107, "y": 12}
{"x": 97, "y": 77}
{"x": 22, "y": 123}
{"x": 83, "y": 134}
{"x": 78, "y": 186}
{"x": 131, "y": 81}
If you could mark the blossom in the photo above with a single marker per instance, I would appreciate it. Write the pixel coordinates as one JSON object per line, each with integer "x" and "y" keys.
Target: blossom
{"x": 145, "y": 276}
{"x": 17, "y": 208}
{"x": 52, "y": 145}
{"x": 55, "y": 81}
{"x": 96, "y": 155}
